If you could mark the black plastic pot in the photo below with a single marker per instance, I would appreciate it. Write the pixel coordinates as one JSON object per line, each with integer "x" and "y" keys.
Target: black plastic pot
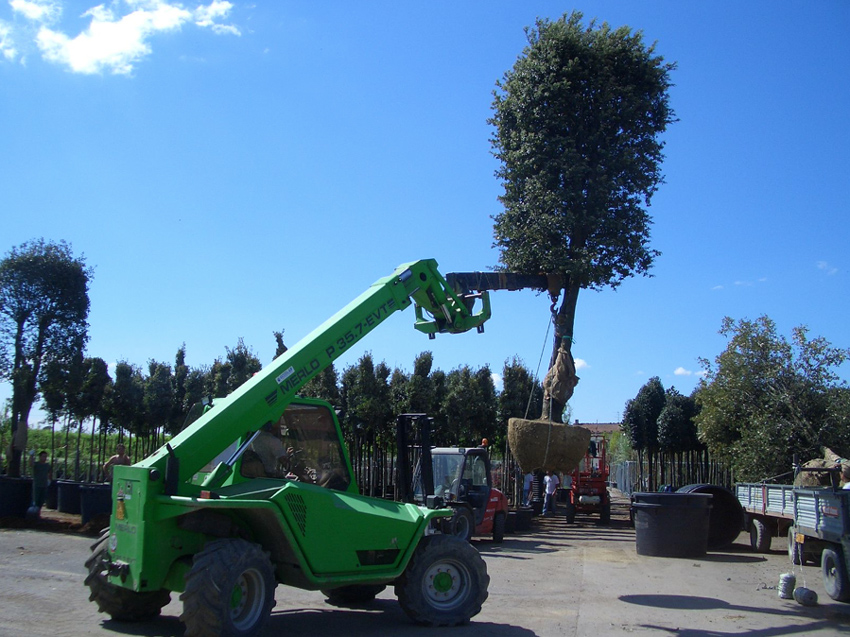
{"x": 510, "y": 522}
{"x": 69, "y": 497}
{"x": 52, "y": 500}
{"x": 15, "y": 496}
{"x": 727, "y": 515}
{"x": 671, "y": 524}
{"x": 523, "y": 519}
{"x": 95, "y": 499}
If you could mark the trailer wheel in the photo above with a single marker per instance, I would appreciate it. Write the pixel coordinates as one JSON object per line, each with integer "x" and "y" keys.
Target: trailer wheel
{"x": 499, "y": 521}
{"x": 229, "y": 590}
{"x": 353, "y": 595}
{"x": 445, "y": 582}
{"x": 121, "y": 604}
{"x": 760, "y": 536}
{"x": 795, "y": 549}
{"x": 835, "y": 575}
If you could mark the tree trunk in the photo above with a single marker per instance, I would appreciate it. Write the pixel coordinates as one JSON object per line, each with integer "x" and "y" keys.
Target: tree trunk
{"x": 561, "y": 379}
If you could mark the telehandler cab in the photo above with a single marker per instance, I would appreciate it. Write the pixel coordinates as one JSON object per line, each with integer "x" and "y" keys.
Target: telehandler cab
{"x": 259, "y": 491}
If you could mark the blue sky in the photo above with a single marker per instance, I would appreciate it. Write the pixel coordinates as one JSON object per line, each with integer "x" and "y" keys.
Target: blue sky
{"x": 233, "y": 168}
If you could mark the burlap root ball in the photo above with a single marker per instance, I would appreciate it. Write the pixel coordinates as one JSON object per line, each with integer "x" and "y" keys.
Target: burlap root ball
{"x": 528, "y": 439}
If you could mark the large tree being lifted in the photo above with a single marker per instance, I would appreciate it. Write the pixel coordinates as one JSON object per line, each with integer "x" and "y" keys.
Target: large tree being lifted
{"x": 577, "y": 124}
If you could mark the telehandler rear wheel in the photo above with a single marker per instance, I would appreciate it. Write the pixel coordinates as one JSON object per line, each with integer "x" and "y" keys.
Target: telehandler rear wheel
{"x": 445, "y": 582}
{"x": 229, "y": 590}
{"x": 121, "y": 604}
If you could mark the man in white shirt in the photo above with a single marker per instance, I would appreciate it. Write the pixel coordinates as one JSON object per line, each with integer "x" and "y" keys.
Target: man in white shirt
{"x": 550, "y": 483}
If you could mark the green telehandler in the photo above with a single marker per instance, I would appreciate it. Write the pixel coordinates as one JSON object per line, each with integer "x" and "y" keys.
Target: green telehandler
{"x": 259, "y": 491}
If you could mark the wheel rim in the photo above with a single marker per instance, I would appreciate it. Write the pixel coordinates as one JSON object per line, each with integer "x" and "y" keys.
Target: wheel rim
{"x": 829, "y": 569}
{"x": 247, "y": 599}
{"x": 446, "y": 584}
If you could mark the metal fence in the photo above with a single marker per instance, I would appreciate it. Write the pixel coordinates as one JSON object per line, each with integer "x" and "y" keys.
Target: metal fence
{"x": 628, "y": 477}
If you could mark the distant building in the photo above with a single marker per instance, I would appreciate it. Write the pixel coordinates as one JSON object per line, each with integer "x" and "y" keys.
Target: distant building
{"x": 600, "y": 428}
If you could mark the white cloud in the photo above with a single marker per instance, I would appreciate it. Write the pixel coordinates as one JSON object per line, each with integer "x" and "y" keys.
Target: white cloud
{"x": 581, "y": 364}
{"x": 119, "y": 35}
{"x": 7, "y": 44}
{"x": 498, "y": 381}
{"x": 206, "y": 16}
{"x": 823, "y": 265}
{"x": 681, "y": 371}
{"x": 37, "y": 10}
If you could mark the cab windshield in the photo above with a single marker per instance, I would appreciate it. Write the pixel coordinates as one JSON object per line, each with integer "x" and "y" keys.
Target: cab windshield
{"x": 302, "y": 445}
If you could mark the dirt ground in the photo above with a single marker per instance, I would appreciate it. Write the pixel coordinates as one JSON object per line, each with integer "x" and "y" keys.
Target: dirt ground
{"x": 555, "y": 579}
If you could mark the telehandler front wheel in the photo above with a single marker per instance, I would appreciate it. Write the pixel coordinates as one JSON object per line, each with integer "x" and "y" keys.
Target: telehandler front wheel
{"x": 121, "y": 604}
{"x": 229, "y": 590}
{"x": 445, "y": 582}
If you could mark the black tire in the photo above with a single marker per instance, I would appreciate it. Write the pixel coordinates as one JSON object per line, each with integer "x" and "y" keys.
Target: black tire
{"x": 445, "y": 582}
{"x": 229, "y": 590}
{"x": 795, "y": 549}
{"x": 353, "y": 595}
{"x": 834, "y": 574}
{"x": 462, "y": 524}
{"x": 571, "y": 513}
{"x": 760, "y": 536}
{"x": 605, "y": 513}
{"x": 499, "y": 521}
{"x": 121, "y": 604}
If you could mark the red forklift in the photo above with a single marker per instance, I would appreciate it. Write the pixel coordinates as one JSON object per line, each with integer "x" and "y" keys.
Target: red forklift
{"x": 458, "y": 478}
{"x": 588, "y": 488}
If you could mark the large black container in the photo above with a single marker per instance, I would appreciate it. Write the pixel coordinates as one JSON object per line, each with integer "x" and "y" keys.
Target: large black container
{"x": 727, "y": 515}
{"x": 52, "y": 500}
{"x": 68, "y": 500}
{"x": 523, "y": 519}
{"x": 671, "y": 524}
{"x": 15, "y": 496}
{"x": 95, "y": 499}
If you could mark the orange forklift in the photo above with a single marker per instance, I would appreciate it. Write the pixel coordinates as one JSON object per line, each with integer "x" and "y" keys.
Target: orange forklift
{"x": 588, "y": 488}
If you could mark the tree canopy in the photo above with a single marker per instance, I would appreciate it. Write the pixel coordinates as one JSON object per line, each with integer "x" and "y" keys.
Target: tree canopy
{"x": 577, "y": 125}
{"x": 44, "y": 306}
{"x": 767, "y": 399}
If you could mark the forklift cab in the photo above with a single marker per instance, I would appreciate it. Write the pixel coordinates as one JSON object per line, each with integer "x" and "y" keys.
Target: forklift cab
{"x": 461, "y": 475}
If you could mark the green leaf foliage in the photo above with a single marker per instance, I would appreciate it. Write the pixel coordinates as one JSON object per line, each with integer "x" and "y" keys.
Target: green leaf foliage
{"x": 767, "y": 399}
{"x": 577, "y": 125}
{"x": 640, "y": 418}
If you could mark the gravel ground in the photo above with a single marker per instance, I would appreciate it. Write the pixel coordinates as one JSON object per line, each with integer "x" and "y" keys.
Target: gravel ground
{"x": 556, "y": 579}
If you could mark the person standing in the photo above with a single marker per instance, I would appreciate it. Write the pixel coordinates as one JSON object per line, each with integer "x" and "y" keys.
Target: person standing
{"x": 42, "y": 474}
{"x": 120, "y": 458}
{"x": 527, "y": 480}
{"x": 550, "y": 484}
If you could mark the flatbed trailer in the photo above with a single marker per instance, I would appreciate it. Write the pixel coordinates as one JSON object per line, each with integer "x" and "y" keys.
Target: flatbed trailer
{"x": 816, "y": 521}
